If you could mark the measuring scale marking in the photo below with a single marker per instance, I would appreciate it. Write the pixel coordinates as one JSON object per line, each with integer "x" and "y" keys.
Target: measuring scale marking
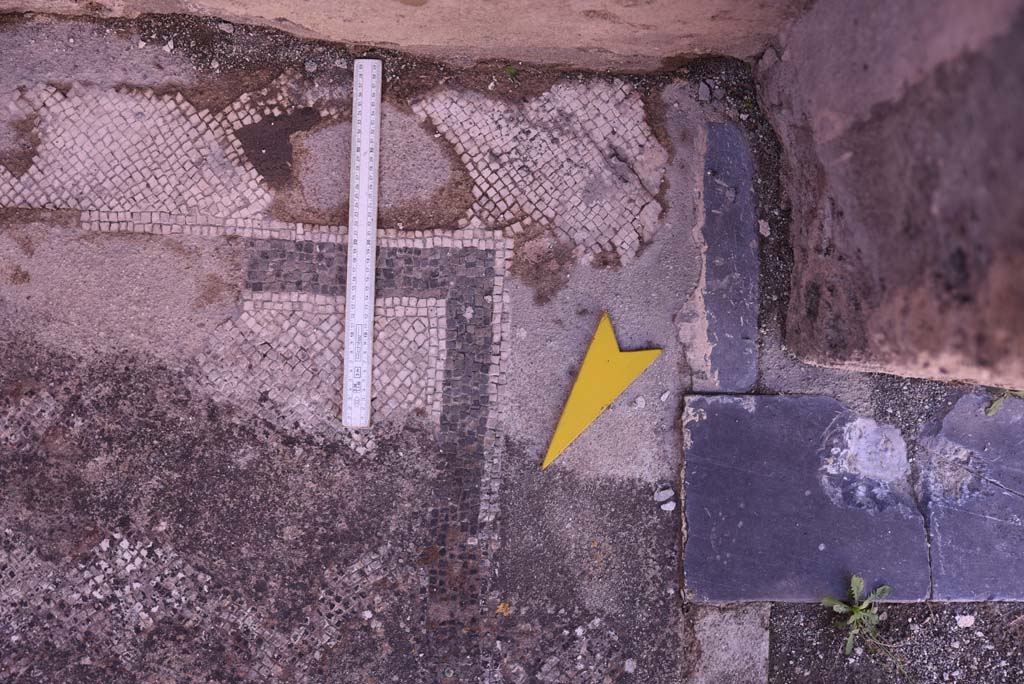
{"x": 362, "y": 244}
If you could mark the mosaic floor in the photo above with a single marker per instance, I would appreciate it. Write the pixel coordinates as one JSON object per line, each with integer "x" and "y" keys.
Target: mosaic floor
{"x": 198, "y": 509}
{"x": 182, "y": 504}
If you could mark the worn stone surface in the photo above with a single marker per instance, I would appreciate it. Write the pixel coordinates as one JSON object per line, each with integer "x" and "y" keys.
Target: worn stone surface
{"x": 788, "y": 496}
{"x": 901, "y": 127}
{"x": 974, "y": 495}
{"x": 719, "y": 325}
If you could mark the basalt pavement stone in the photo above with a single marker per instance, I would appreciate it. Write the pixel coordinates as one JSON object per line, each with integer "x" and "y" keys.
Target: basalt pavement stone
{"x": 787, "y": 496}
{"x": 730, "y": 281}
{"x": 974, "y": 492}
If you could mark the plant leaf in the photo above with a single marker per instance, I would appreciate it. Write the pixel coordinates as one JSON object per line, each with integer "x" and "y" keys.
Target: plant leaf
{"x": 994, "y": 406}
{"x": 849, "y": 642}
{"x": 856, "y": 588}
{"x": 835, "y": 604}
{"x": 880, "y": 593}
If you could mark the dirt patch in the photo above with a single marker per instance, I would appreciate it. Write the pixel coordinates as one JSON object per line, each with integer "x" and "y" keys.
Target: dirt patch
{"x": 18, "y": 144}
{"x": 926, "y": 638}
{"x": 268, "y": 145}
{"x": 542, "y": 262}
{"x": 18, "y": 276}
{"x": 213, "y": 288}
{"x": 217, "y": 89}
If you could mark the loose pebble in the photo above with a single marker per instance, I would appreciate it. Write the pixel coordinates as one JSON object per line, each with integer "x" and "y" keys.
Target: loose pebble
{"x": 664, "y": 494}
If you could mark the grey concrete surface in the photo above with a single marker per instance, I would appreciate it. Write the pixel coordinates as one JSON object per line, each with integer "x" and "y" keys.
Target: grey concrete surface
{"x": 732, "y": 642}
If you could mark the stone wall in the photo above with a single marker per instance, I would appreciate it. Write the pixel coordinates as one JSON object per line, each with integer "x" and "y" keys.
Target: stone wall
{"x": 582, "y": 33}
{"x": 904, "y": 146}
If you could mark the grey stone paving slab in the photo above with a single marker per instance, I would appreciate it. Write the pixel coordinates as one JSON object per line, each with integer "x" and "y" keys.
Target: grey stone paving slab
{"x": 787, "y": 496}
{"x": 722, "y": 321}
{"x": 974, "y": 487}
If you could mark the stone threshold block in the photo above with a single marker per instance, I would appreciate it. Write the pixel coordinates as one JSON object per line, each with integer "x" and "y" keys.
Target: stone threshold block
{"x": 973, "y": 480}
{"x": 787, "y": 496}
{"x": 719, "y": 323}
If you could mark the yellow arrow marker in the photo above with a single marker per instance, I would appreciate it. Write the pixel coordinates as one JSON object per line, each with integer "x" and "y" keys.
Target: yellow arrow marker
{"x": 606, "y": 372}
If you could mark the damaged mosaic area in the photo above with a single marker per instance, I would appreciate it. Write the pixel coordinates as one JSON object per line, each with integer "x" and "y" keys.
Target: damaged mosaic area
{"x": 580, "y": 158}
{"x": 209, "y": 515}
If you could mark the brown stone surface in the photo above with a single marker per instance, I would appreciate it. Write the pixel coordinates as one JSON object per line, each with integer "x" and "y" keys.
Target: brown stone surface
{"x": 901, "y": 126}
{"x": 579, "y": 32}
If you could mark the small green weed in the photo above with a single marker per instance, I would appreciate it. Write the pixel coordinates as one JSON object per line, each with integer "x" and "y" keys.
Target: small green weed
{"x": 998, "y": 402}
{"x": 860, "y": 618}
{"x": 512, "y": 73}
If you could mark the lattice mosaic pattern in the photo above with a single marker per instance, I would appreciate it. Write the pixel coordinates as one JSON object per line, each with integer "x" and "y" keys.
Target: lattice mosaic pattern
{"x": 283, "y": 357}
{"x": 580, "y": 157}
{"x": 123, "y": 150}
{"x": 132, "y": 150}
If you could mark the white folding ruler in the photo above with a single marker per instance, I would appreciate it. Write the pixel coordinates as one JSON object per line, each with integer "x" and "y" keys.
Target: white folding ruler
{"x": 362, "y": 244}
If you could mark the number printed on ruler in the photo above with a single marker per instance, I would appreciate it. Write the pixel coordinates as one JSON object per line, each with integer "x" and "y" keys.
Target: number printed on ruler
{"x": 362, "y": 244}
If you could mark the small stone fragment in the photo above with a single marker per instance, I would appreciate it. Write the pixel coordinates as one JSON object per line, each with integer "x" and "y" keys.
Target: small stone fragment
{"x": 665, "y": 395}
{"x": 310, "y": 66}
{"x": 640, "y": 403}
{"x": 169, "y": 46}
{"x": 964, "y": 621}
{"x": 664, "y": 494}
{"x": 703, "y": 92}
{"x": 226, "y": 27}
{"x": 630, "y": 666}
{"x": 668, "y": 506}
